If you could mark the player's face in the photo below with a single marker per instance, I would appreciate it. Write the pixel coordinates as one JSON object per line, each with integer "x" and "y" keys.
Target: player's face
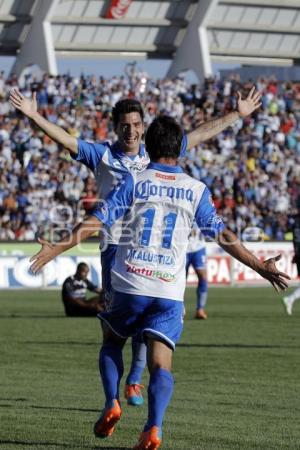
{"x": 83, "y": 273}
{"x": 130, "y": 130}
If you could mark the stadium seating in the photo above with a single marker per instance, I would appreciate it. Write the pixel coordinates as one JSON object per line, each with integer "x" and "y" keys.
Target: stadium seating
{"x": 253, "y": 168}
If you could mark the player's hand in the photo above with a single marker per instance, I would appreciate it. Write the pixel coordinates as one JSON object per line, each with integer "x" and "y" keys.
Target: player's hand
{"x": 250, "y": 104}
{"x": 41, "y": 258}
{"x": 27, "y": 106}
{"x": 273, "y": 275}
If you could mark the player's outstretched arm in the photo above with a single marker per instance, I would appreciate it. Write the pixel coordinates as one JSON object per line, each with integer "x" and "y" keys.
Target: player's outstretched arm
{"x": 267, "y": 269}
{"x": 49, "y": 251}
{"x": 213, "y": 127}
{"x": 30, "y": 109}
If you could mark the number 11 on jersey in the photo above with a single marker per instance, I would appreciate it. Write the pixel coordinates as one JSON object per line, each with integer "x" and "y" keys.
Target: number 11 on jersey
{"x": 169, "y": 222}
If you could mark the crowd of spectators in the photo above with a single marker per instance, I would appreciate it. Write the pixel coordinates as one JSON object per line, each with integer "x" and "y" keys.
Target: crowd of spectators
{"x": 252, "y": 168}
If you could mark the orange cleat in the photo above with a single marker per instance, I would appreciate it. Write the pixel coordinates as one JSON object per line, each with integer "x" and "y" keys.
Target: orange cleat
{"x": 149, "y": 440}
{"x": 133, "y": 394}
{"x": 200, "y": 314}
{"x": 105, "y": 425}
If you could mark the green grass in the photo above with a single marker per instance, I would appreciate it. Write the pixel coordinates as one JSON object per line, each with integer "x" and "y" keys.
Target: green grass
{"x": 237, "y": 376}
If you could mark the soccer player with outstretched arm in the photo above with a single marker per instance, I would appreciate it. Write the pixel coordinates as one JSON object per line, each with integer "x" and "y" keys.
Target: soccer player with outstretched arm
{"x": 111, "y": 163}
{"x": 159, "y": 206}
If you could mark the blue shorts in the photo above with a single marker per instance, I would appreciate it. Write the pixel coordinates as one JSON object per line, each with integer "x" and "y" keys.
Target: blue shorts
{"x": 107, "y": 261}
{"x": 130, "y": 315}
{"x": 196, "y": 259}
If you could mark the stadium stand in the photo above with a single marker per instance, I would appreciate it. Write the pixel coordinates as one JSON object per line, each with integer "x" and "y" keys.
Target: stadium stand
{"x": 253, "y": 168}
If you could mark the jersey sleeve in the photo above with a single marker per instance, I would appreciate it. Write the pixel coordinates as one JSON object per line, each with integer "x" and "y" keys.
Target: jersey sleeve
{"x": 207, "y": 219}
{"x": 90, "y": 154}
{"x": 91, "y": 286}
{"x": 183, "y": 149}
{"x": 117, "y": 203}
{"x": 68, "y": 288}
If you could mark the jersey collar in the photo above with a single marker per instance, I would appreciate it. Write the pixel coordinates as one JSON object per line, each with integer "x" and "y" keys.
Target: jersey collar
{"x": 165, "y": 168}
{"x": 118, "y": 152}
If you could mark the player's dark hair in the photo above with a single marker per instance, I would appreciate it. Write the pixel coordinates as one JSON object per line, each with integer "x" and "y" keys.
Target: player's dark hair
{"x": 81, "y": 265}
{"x": 163, "y": 138}
{"x": 126, "y": 106}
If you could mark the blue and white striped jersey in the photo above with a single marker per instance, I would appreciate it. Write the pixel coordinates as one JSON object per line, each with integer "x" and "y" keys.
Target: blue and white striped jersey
{"x": 159, "y": 207}
{"x": 110, "y": 165}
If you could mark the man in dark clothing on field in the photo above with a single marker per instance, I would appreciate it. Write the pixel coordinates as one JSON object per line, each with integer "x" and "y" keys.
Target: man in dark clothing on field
{"x": 74, "y": 294}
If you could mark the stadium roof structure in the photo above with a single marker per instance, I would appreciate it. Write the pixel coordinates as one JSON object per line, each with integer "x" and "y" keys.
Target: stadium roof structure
{"x": 191, "y": 33}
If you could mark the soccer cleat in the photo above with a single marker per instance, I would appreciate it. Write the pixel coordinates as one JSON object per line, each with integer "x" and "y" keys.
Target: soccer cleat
{"x": 133, "y": 394}
{"x": 288, "y": 305}
{"x": 200, "y": 314}
{"x": 149, "y": 440}
{"x": 105, "y": 425}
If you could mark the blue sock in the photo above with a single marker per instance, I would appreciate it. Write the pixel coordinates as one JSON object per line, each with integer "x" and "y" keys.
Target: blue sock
{"x": 160, "y": 391}
{"x": 202, "y": 290}
{"x": 138, "y": 363}
{"x": 111, "y": 370}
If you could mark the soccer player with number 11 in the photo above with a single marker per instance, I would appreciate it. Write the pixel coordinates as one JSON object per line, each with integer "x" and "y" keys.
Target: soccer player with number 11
{"x": 159, "y": 206}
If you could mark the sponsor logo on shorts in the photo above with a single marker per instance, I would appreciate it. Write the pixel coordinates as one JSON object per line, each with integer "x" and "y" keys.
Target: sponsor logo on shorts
{"x": 150, "y": 273}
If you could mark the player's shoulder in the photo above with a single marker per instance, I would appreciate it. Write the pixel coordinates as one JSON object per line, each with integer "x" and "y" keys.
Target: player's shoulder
{"x": 68, "y": 281}
{"x": 199, "y": 192}
{"x": 98, "y": 147}
{"x": 70, "y": 278}
{"x": 196, "y": 185}
{"x": 104, "y": 144}
{"x": 95, "y": 144}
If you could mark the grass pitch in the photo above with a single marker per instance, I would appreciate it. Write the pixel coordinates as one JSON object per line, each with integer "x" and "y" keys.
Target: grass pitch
{"x": 237, "y": 376}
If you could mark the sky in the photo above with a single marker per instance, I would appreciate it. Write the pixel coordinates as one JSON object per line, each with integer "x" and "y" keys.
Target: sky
{"x": 106, "y": 67}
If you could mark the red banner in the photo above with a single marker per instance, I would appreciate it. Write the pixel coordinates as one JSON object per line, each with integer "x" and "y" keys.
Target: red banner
{"x": 117, "y": 9}
{"x": 222, "y": 269}
{"x": 218, "y": 271}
